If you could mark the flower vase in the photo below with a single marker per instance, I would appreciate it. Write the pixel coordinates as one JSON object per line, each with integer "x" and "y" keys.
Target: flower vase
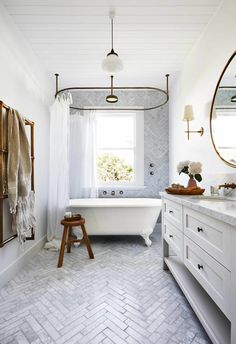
{"x": 192, "y": 182}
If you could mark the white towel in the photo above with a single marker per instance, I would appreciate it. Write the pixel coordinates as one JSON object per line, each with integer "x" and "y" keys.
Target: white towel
{"x": 21, "y": 199}
{"x": 24, "y": 220}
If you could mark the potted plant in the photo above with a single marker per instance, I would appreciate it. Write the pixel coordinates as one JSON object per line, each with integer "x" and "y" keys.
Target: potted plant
{"x": 192, "y": 169}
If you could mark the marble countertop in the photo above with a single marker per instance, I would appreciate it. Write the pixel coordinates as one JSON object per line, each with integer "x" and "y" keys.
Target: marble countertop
{"x": 223, "y": 208}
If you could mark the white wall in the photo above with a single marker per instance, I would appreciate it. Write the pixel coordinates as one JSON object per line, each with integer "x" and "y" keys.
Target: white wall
{"x": 24, "y": 86}
{"x": 195, "y": 85}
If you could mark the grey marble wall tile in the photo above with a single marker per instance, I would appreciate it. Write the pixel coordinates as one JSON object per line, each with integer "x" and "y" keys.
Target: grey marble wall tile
{"x": 156, "y": 136}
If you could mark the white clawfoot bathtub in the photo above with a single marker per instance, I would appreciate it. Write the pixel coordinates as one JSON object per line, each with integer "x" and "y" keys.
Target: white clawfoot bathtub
{"x": 118, "y": 216}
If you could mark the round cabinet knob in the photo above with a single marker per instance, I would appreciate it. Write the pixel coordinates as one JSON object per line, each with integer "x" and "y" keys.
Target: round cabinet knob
{"x": 170, "y": 235}
{"x": 171, "y": 212}
{"x": 151, "y": 173}
{"x": 200, "y": 266}
{"x": 121, "y": 192}
{"x": 199, "y": 229}
{"x": 151, "y": 164}
{"x": 104, "y": 192}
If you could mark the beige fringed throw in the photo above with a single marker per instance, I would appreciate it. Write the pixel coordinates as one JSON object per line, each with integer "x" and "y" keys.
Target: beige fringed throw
{"x": 21, "y": 198}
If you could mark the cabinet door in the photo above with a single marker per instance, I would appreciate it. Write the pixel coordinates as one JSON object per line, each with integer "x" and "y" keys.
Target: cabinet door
{"x": 174, "y": 237}
{"x": 173, "y": 213}
{"x": 213, "y": 277}
{"x": 210, "y": 234}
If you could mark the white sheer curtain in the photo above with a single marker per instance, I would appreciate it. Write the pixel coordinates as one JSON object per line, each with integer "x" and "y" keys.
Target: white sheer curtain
{"x": 58, "y": 197}
{"x": 83, "y": 170}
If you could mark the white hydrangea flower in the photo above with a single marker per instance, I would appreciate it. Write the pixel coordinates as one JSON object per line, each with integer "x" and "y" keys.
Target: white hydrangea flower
{"x": 195, "y": 168}
{"x": 182, "y": 164}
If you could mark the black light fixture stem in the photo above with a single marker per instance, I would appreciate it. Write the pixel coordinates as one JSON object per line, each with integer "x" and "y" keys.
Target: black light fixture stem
{"x": 112, "y": 84}
{"x": 112, "y": 34}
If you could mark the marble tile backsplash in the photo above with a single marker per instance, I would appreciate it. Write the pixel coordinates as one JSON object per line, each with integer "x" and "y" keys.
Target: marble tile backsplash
{"x": 156, "y": 138}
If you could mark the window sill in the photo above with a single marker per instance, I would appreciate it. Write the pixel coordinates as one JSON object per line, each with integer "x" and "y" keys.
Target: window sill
{"x": 121, "y": 187}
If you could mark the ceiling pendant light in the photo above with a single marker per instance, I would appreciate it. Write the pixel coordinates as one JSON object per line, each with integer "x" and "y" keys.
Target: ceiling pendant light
{"x": 112, "y": 63}
{"x": 233, "y": 99}
{"x": 112, "y": 98}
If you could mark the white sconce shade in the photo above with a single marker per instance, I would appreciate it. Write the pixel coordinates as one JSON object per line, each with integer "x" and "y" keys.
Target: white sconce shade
{"x": 188, "y": 113}
{"x": 112, "y": 64}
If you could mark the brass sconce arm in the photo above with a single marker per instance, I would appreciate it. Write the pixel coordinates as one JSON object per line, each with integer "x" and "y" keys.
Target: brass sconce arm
{"x": 188, "y": 132}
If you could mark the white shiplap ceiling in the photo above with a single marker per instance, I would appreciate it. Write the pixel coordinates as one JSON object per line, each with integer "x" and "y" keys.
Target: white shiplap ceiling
{"x": 72, "y": 37}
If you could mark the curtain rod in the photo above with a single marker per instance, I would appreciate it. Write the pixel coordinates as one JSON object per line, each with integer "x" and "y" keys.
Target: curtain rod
{"x": 166, "y": 92}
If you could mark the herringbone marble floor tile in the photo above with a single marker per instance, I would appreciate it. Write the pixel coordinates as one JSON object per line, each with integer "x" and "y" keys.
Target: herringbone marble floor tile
{"x": 122, "y": 296}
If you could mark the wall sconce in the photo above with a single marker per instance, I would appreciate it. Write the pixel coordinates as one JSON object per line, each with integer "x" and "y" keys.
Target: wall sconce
{"x": 189, "y": 116}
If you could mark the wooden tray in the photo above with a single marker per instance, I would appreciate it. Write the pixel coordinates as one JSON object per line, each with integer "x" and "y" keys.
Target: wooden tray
{"x": 185, "y": 191}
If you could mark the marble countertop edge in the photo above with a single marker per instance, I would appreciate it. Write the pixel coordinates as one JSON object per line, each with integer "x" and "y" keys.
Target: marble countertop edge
{"x": 212, "y": 211}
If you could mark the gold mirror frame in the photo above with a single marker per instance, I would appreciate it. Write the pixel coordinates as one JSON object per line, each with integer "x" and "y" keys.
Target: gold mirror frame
{"x": 212, "y": 107}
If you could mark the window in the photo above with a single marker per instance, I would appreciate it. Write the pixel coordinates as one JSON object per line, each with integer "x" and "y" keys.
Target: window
{"x": 120, "y": 148}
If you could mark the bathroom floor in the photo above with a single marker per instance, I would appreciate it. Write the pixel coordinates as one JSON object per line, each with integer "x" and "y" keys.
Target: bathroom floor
{"x": 123, "y": 296}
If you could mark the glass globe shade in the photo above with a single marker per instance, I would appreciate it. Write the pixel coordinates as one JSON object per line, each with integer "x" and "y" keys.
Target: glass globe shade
{"x": 112, "y": 64}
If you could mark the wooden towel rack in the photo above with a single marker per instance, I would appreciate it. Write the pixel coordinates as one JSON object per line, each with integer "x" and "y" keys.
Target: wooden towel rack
{"x": 3, "y": 166}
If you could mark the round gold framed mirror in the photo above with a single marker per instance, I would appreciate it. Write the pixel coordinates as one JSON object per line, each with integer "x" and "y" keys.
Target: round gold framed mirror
{"x": 223, "y": 114}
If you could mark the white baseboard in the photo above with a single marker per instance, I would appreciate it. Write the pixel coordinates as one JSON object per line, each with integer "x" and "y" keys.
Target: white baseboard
{"x": 20, "y": 262}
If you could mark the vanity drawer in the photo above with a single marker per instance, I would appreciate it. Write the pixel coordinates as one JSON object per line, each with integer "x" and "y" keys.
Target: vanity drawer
{"x": 173, "y": 213}
{"x": 210, "y": 234}
{"x": 174, "y": 237}
{"x": 214, "y": 277}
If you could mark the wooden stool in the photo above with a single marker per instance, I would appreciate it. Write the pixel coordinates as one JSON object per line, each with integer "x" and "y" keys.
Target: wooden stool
{"x": 68, "y": 239}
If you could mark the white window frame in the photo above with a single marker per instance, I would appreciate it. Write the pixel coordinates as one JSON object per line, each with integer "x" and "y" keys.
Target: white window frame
{"x": 225, "y": 112}
{"x": 138, "y": 181}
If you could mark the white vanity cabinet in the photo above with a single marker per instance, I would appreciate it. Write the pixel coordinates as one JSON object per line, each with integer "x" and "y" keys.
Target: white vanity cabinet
{"x": 172, "y": 227}
{"x": 199, "y": 248}
{"x": 211, "y": 235}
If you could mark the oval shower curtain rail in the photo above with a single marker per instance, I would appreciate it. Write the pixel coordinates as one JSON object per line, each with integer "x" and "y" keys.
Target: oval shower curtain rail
{"x": 166, "y": 92}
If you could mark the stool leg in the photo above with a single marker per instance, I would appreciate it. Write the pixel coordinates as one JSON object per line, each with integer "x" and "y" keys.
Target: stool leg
{"x": 87, "y": 242}
{"x": 63, "y": 242}
{"x": 68, "y": 240}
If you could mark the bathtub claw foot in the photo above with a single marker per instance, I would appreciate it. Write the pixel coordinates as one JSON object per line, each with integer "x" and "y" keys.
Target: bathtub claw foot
{"x": 146, "y": 238}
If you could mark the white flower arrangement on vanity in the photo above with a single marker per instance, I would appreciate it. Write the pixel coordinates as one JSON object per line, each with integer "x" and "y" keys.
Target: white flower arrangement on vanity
{"x": 193, "y": 170}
